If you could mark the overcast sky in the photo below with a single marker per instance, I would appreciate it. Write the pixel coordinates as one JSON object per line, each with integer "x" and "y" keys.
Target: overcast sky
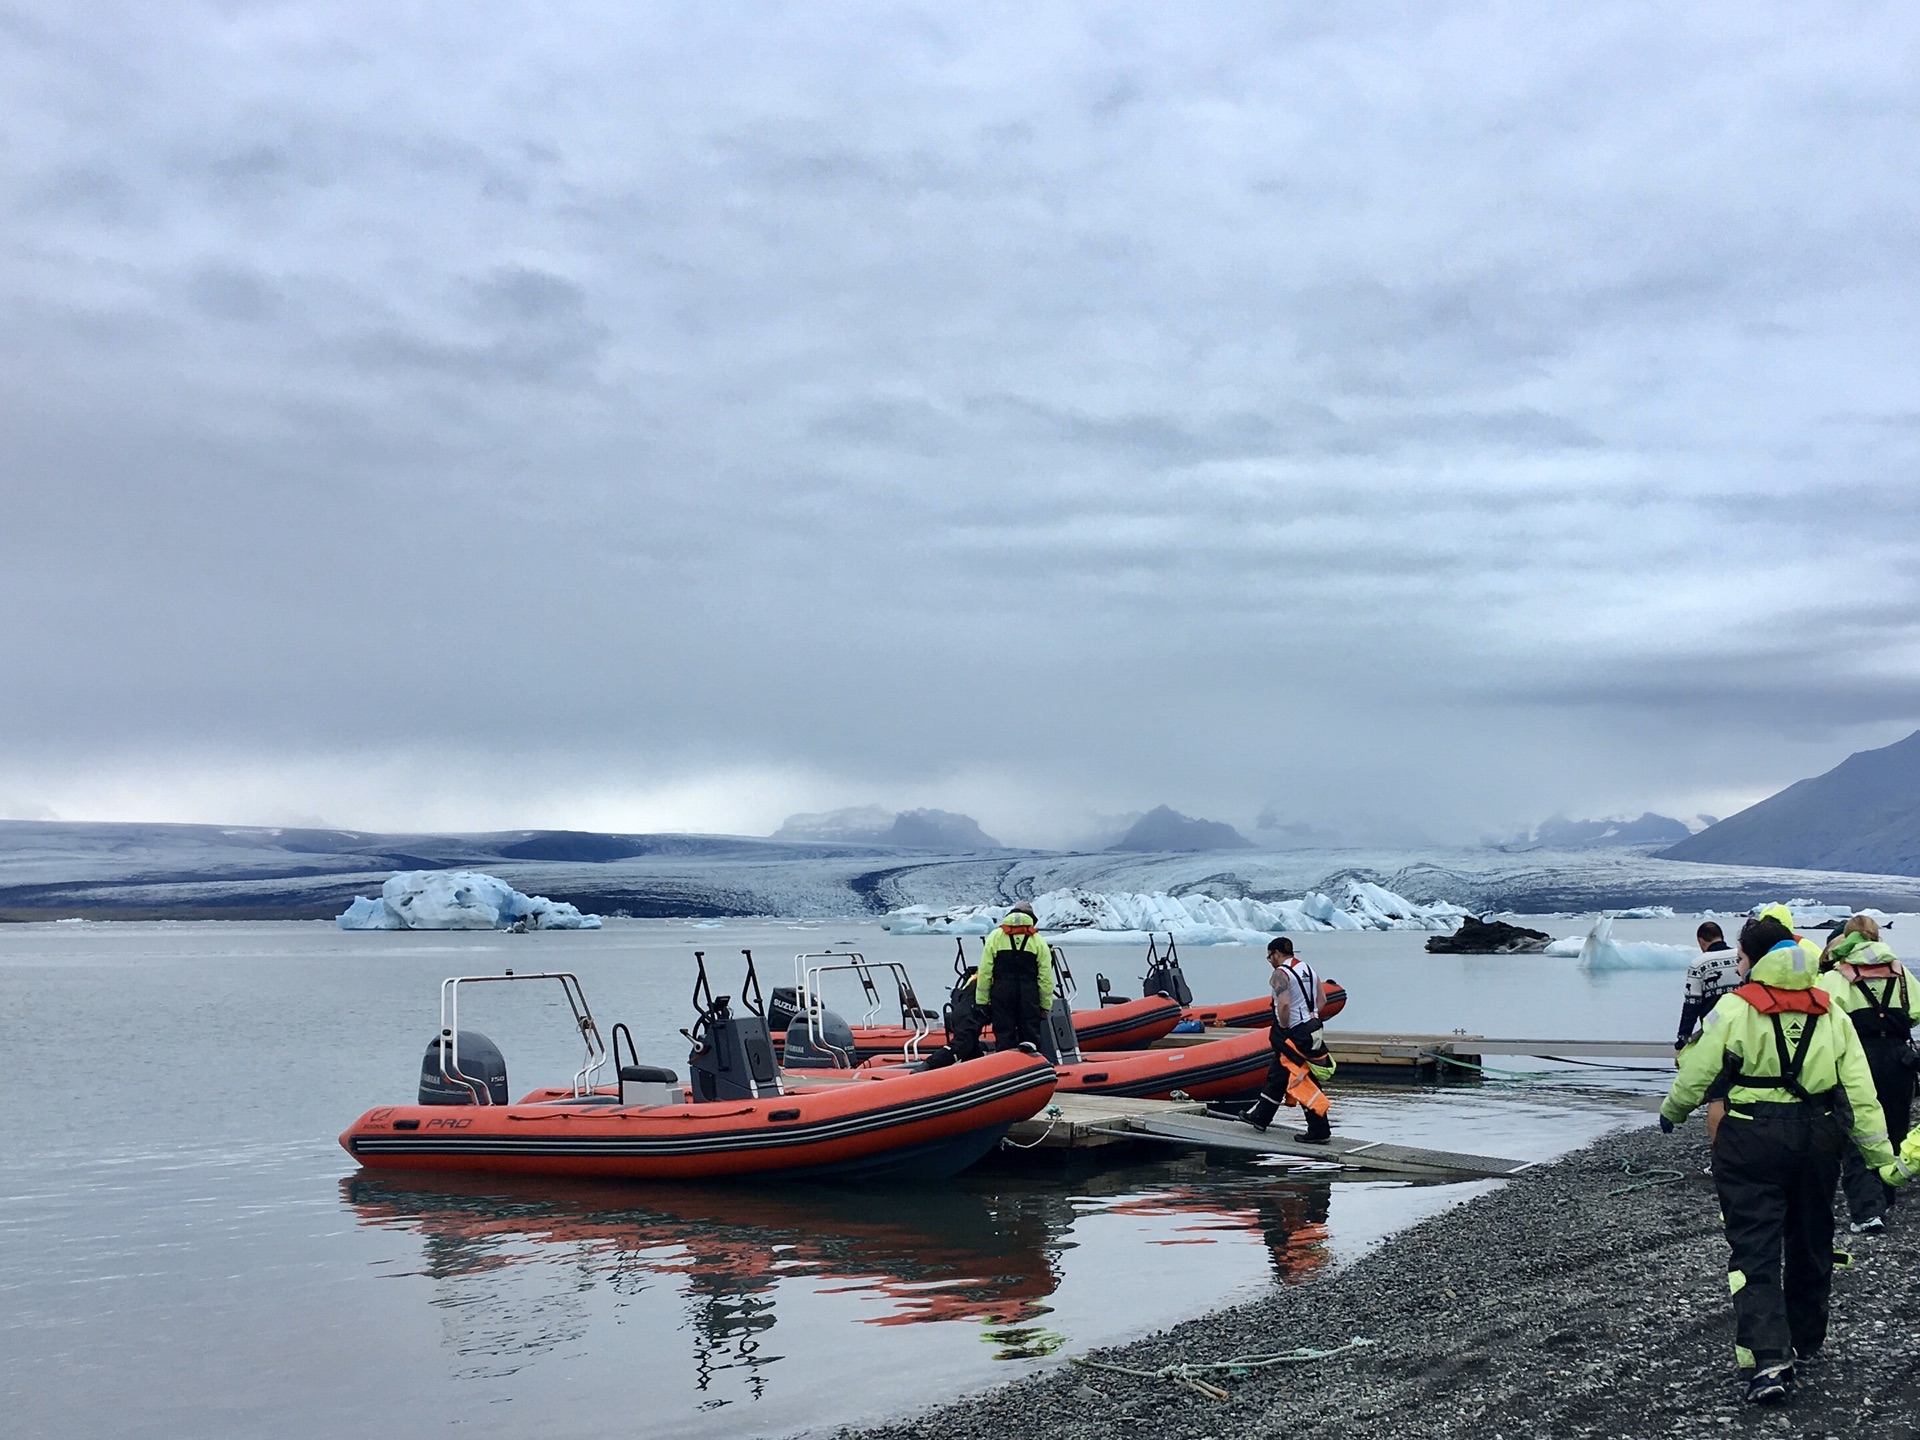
{"x": 1417, "y": 420}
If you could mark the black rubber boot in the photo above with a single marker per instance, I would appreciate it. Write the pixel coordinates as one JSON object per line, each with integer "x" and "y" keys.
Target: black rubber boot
{"x": 1319, "y": 1130}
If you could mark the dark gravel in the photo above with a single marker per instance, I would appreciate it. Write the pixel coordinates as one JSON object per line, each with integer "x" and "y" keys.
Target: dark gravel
{"x": 1551, "y": 1307}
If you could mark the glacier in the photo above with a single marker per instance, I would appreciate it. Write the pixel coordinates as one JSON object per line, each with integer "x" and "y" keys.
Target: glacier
{"x": 459, "y": 900}
{"x": 1128, "y": 917}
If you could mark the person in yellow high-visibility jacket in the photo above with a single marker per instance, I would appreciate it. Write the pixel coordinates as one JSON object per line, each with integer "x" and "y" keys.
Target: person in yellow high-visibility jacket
{"x": 1783, "y": 1056}
{"x": 1016, "y": 981}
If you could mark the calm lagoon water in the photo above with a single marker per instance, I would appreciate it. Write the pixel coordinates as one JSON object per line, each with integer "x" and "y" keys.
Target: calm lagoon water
{"x": 185, "y": 1250}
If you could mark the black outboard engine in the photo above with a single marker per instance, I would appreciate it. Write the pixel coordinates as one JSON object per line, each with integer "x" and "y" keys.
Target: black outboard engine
{"x": 732, "y": 1056}
{"x": 479, "y": 1059}
{"x": 781, "y": 1009}
{"x": 1164, "y": 976}
{"x": 830, "y": 1049}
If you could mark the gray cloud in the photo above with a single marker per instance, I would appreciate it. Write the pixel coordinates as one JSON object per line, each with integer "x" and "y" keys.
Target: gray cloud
{"x": 1444, "y": 418}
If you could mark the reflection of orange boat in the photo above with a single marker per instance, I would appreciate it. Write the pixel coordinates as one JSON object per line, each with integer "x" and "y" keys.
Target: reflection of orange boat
{"x": 739, "y": 1119}
{"x": 960, "y": 1256}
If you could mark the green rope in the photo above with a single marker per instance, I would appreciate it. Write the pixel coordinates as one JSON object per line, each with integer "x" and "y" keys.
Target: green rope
{"x": 1490, "y": 1070}
{"x": 1188, "y": 1374}
{"x": 1658, "y": 1175}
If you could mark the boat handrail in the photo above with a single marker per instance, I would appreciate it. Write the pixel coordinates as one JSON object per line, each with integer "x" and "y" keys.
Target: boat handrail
{"x": 808, "y": 1002}
{"x": 584, "y": 1078}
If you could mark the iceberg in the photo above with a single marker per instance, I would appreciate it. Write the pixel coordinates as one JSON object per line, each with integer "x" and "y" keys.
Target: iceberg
{"x": 1129, "y": 917}
{"x": 1600, "y": 951}
{"x": 459, "y": 900}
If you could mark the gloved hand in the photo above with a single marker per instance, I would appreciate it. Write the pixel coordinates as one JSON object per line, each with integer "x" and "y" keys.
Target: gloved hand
{"x": 1666, "y": 1126}
{"x": 1893, "y": 1175}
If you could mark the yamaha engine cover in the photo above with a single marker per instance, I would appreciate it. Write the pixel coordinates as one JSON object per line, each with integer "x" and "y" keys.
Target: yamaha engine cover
{"x": 479, "y": 1059}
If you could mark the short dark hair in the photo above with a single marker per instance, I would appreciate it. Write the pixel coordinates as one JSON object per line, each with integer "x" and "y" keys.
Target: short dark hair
{"x": 1710, "y": 930}
{"x": 1757, "y": 937}
{"x": 1280, "y": 943}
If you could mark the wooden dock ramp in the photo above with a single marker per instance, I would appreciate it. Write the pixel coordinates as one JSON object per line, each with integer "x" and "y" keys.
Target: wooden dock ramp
{"x": 1078, "y": 1122}
{"x": 1214, "y": 1133}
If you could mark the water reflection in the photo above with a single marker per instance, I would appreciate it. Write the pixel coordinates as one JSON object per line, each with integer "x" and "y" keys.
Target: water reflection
{"x": 520, "y": 1269}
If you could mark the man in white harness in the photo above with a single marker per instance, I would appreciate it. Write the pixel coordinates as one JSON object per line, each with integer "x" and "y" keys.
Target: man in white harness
{"x": 1295, "y": 1036}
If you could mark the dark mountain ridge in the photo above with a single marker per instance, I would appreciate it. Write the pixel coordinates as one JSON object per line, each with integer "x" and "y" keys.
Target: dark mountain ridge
{"x": 1861, "y": 816}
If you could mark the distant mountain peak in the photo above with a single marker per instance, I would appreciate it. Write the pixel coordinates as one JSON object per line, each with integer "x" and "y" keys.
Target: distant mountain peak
{"x": 872, "y": 825}
{"x": 1166, "y": 829}
{"x": 1560, "y": 833}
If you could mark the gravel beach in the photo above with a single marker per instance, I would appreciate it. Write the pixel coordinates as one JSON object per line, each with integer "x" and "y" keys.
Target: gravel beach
{"x": 1563, "y": 1304}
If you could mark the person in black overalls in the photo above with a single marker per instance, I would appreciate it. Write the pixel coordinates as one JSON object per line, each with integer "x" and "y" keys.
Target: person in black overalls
{"x": 1016, "y": 981}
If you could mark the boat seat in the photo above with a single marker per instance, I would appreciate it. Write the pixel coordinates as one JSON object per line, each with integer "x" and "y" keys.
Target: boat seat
{"x": 652, "y": 1074}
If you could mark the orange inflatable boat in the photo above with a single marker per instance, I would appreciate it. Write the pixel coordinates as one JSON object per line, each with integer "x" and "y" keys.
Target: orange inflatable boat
{"x": 734, "y": 1117}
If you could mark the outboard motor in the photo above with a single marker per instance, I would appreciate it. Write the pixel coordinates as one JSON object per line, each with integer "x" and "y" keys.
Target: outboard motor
{"x": 831, "y": 1049}
{"x": 479, "y": 1059}
{"x": 732, "y": 1056}
{"x": 782, "y": 1007}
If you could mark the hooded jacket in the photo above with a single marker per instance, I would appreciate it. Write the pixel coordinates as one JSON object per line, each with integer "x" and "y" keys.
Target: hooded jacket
{"x": 1740, "y": 1047}
{"x": 1853, "y": 992}
{"x": 1016, "y": 932}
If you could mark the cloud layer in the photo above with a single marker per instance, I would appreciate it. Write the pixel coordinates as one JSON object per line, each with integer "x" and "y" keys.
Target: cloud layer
{"x": 1422, "y": 421}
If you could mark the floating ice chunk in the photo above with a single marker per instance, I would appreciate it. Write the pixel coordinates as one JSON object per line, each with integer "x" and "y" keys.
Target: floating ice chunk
{"x": 459, "y": 900}
{"x": 1600, "y": 951}
{"x": 1645, "y": 912}
{"x": 1127, "y": 917}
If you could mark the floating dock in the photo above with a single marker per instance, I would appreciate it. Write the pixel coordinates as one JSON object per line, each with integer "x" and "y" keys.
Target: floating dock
{"x": 1400, "y": 1053}
{"x": 1074, "y": 1122}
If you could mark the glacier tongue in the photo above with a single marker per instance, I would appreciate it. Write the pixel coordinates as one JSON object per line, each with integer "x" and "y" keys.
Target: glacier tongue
{"x": 459, "y": 900}
{"x": 1127, "y": 916}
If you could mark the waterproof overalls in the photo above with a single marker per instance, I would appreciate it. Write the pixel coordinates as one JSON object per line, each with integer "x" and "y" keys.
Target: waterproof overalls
{"x": 1300, "y": 1059}
{"x": 1016, "y": 983}
{"x": 1782, "y": 1057}
{"x": 1877, "y": 994}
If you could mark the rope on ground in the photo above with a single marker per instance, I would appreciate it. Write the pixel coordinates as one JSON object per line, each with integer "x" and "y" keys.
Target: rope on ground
{"x": 1488, "y": 1069}
{"x": 1658, "y": 1175}
{"x": 1053, "y": 1114}
{"x": 1188, "y": 1373}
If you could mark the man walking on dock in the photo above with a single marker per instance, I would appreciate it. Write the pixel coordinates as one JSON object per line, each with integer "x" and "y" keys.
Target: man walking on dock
{"x": 1016, "y": 981}
{"x": 1297, "y": 1047}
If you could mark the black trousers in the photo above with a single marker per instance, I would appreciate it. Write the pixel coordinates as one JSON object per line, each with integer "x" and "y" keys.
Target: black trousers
{"x": 1775, "y": 1173}
{"x": 1868, "y": 1196}
{"x": 1015, "y": 998}
{"x": 965, "y": 1020}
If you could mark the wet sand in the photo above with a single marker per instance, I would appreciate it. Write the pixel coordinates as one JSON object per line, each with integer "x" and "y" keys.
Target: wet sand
{"x": 1564, "y": 1304}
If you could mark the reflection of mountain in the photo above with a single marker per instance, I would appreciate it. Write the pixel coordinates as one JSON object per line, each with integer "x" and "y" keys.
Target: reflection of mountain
{"x": 984, "y": 1252}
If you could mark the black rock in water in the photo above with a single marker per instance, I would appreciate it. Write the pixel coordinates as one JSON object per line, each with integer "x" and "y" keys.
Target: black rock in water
{"x": 1489, "y": 937}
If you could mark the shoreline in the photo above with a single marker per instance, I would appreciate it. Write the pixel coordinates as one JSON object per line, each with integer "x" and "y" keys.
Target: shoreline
{"x": 1567, "y": 1303}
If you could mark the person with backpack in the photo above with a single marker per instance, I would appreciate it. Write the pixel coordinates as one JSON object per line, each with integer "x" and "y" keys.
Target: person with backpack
{"x": 1869, "y": 984}
{"x": 1782, "y": 1057}
{"x": 1016, "y": 981}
